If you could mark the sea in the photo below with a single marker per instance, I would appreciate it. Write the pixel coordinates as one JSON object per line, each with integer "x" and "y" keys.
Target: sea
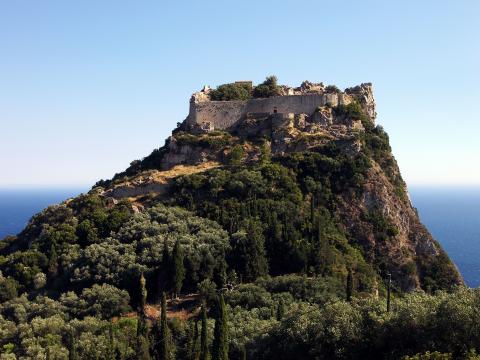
{"x": 452, "y": 214}
{"x": 17, "y": 206}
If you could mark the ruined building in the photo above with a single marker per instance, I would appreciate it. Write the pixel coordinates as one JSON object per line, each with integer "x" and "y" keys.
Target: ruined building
{"x": 313, "y": 101}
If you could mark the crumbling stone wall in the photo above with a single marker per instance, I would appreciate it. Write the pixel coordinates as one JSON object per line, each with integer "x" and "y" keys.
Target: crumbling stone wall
{"x": 226, "y": 114}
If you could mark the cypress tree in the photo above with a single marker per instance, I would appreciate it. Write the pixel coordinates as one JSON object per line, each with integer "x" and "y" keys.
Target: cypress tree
{"x": 220, "y": 340}
{"x": 196, "y": 343}
{"x": 142, "y": 347}
{"x": 52, "y": 262}
{"x": 190, "y": 346}
{"x": 243, "y": 354}
{"x": 280, "y": 310}
{"x": 118, "y": 354}
{"x": 255, "y": 261}
{"x": 312, "y": 208}
{"x": 178, "y": 269}
{"x": 166, "y": 268}
{"x": 142, "y": 351}
{"x": 111, "y": 345}
{"x": 389, "y": 285}
{"x": 322, "y": 250}
{"x": 142, "y": 295}
{"x": 193, "y": 344}
{"x": 220, "y": 271}
{"x": 349, "y": 289}
{"x": 164, "y": 341}
{"x": 204, "y": 354}
{"x": 71, "y": 346}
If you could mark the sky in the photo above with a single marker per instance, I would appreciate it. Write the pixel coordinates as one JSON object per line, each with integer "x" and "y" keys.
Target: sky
{"x": 88, "y": 86}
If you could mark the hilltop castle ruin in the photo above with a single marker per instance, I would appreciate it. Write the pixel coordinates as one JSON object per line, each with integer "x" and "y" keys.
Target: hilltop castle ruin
{"x": 313, "y": 100}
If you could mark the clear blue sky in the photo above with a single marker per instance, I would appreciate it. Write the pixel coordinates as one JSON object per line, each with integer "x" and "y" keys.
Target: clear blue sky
{"x": 88, "y": 86}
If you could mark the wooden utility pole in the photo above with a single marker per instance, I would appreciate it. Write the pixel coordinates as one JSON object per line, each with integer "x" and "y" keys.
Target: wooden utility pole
{"x": 389, "y": 285}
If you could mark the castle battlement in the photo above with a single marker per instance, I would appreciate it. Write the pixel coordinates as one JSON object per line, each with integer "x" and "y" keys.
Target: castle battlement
{"x": 224, "y": 115}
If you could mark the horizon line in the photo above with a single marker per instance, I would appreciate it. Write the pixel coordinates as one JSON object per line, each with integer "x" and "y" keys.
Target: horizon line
{"x": 89, "y": 186}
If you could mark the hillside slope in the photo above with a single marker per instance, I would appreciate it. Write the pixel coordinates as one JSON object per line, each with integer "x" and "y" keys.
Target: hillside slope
{"x": 278, "y": 208}
{"x": 341, "y": 163}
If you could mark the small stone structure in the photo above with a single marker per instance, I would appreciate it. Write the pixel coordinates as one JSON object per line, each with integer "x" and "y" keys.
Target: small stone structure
{"x": 206, "y": 115}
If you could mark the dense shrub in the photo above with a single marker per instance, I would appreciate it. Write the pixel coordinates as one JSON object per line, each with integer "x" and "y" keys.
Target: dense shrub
{"x": 353, "y": 111}
{"x": 445, "y": 323}
{"x": 104, "y": 301}
{"x": 215, "y": 140}
{"x": 268, "y": 88}
{"x": 332, "y": 89}
{"x": 8, "y": 288}
{"x": 228, "y": 92}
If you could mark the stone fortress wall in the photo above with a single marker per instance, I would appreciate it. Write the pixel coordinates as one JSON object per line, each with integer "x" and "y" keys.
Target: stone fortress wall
{"x": 222, "y": 115}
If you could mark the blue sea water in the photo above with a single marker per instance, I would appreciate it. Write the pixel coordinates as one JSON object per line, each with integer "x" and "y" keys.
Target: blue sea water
{"x": 453, "y": 217}
{"x": 451, "y": 214}
{"x": 17, "y": 206}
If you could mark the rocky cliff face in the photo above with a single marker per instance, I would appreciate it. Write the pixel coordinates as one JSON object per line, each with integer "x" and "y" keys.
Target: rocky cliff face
{"x": 377, "y": 215}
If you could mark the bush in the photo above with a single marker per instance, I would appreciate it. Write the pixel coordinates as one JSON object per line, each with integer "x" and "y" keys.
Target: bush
{"x": 104, "y": 301}
{"x": 229, "y": 92}
{"x": 332, "y": 89}
{"x": 215, "y": 140}
{"x": 267, "y": 89}
{"x": 353, "y": 111}
{"x": 8, "y": 288}
{"x": 236, "y": 155}
{"x": 249, "y": 296}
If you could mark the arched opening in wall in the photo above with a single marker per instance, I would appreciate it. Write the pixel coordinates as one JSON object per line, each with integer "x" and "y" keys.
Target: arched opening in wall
{"x": 274, "y": 109}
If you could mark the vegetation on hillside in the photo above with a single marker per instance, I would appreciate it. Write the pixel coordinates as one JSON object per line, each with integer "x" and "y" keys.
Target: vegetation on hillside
{"x": 251, "y": 260}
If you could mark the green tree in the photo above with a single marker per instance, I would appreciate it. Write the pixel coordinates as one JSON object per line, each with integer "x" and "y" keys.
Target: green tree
{"x": 243, "y": 353}
{"x": 163, "y": 350}
{"x": 280, "y": 310}
{"x": 111, "y": 344}
{"x": 227, "y": 92}
{"x": 249, "y": 251}
{"x": 265, "y": 153}
{"x": 178, "y": 269}
{"x": 192, "y": 347}
{"x": 349, "y": 289}
{"x": 236, "y": 155}
{"x": 166, "y": 268}
{"x": 321, "y": 251}
{"x": 8, "y": 288}
{"x": 118, "y": 354}
{"x": 220, "y": 271}
{"x": 196, "y": 346}
{"x": 52, "y": 262}
{"x": 268, "y": 88}
{"x": 71, "y": 346}
{"x": 142, "y": 295}
{"x": 87, "y": 232}
{"x": 389, "y": 286}
{"x": 220, "y": 340}
{"x": 204, "y": 353}
{"x": 104, "y": 301}
{"x": 142, "y": 347}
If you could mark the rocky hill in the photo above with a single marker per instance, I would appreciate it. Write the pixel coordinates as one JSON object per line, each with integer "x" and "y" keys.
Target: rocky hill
{"x": 275, "y": 196}
{"x": 344, "y": 154}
